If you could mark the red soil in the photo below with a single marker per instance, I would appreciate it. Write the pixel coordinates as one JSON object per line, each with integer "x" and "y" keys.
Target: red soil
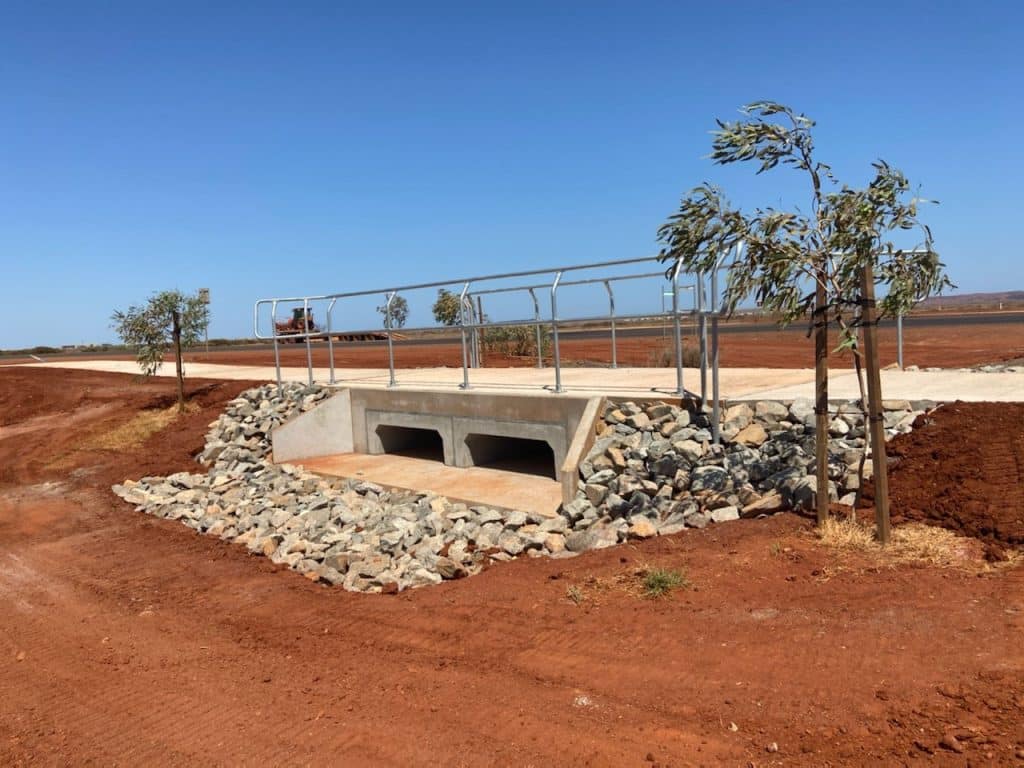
{"x": 946, "y": 347}
{"x": 129, "y": 640}
{"x": 963, "y": 468}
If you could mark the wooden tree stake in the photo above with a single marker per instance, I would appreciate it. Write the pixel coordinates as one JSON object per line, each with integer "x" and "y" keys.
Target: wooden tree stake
{"x": 176, "y": 335}
{"x": 821, "y": 401}
{"x": 874, "y": 416}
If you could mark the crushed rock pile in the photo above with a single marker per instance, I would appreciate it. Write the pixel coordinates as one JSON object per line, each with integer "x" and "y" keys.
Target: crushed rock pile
{"x": 652, "y": 471}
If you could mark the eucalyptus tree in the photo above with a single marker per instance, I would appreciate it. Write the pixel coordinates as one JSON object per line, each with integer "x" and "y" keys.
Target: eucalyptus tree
{"x": 447, "y": 307}
{"x": 397, "y": 313}
{"x": 169, "y": 318}
{"x": 807, "y": 263}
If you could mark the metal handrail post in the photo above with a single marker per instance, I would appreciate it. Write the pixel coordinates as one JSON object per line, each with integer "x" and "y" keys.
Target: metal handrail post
{"x": 330, "y": 339}
{"x": 715, "y": 427}
{"x": 277, "y": 350}
{"x": 391, "y": 345}
{"x": 554, "y": 332}
{"x": 677, "y": 330}
{"x": 309, "y": 343}
{"x": 476, "y": 333}
{"x": 702, "y": 304}
{"x": 899, "y": 341}
{"x": 466, "y": 309}
{"x": 611, "y": 317}
{"x": 465, "y": 351}
{"x": 536, "y": 317}
{"x": 716, "y": 307}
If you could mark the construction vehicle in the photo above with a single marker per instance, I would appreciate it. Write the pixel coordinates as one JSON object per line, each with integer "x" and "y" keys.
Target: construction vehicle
{"x": 294, "y": 329}
{"x": 300, "y": 322}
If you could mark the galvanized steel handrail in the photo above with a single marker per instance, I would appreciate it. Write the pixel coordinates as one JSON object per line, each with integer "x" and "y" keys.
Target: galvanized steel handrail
{"x": 707, "y": 306}
{"x": 469, "y": 324}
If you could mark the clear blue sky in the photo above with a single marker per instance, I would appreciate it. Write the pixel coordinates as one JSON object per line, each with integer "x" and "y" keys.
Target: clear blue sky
{"x": 265, "y": 149}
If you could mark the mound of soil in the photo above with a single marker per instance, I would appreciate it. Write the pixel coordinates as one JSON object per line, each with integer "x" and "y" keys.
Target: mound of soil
{"x": 962, "y": 468}
{"x": 47, "y": 418}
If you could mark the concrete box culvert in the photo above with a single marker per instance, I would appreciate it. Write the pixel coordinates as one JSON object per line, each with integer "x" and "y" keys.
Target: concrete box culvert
{"x": 548, "y": 436}
{"x": 413, "y": 442}
{"x": 513, "y": 454}
{"x": 380, "y": 423}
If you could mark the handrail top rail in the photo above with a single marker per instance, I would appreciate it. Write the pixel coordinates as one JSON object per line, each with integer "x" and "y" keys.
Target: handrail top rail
{"x": 462, "y": 281}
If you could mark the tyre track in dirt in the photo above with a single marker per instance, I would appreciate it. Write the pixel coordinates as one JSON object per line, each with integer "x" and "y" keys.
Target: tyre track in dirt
{"x": 243, "y": 663}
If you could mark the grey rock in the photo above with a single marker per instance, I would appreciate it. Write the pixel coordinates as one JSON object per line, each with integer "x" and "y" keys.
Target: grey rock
{"x": 658, "y": 410}
{"x": 697, "y": 520}
{"x": 604, "y": 477}
{"x": 515, "y": 519}
{"x": 737, "y": 417}
{"x": 770, "y": 410}
{"x": 556, "y": 524}
{"x": 580, "y": 541}
{"x": 690, "y": 450}
{"x": 725, "y": 514}
{"x": 801, "y": 410}
{"x": 638, "y": 421}
{"x": 596, "y": 493}
{"x": 838, "y": 428}
{"x": 709, "y": 478}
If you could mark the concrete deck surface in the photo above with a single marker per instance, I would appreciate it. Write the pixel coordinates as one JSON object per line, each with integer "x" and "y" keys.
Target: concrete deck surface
{"x": 473, "y": 485}
{"x": 621, "y": 383}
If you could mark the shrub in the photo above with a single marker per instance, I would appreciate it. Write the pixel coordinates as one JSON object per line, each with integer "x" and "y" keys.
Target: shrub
{"x": 516, "y": 340}
{"x": 665, "y": 357}
{"x": 658, "y": 582}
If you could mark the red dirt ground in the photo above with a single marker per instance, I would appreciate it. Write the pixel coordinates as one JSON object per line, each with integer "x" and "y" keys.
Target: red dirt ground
{"x": 946, "y": 347}
{"x": 979, "y": 493}
{"x": 129, "y": 640}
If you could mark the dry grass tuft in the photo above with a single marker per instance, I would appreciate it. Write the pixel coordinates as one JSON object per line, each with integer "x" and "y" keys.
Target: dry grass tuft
{"x": 645, "y": 581}
{"x": 125, "y": 436}
{"x": 911, "y": 543}
{"x": 137, "y": 430}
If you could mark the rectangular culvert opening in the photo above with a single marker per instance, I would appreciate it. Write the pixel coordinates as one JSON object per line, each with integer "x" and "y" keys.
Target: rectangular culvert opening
{"x": 414, "y": 442}
{"x": 514, "y": 454}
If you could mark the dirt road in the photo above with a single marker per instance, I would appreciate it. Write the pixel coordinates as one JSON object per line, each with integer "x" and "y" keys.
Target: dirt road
{"x": 944, "y": 346}
{"x": 127, "y": 640}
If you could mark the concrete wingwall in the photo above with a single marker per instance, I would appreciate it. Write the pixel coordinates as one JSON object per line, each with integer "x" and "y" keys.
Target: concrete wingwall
{"x": 325, "y": 430}
{"x": 352, "y": 420}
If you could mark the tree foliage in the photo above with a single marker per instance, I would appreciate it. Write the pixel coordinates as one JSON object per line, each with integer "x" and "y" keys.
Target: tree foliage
{"x": 516, "y": 340}
{"x": 786, "y": 254}
{"x": 798, "y": 264}
{"x": 168, "y": 318}
{"x": 149, "y": 329}
{"x": 446, "y": 308}
{"x": 399, "y": 312}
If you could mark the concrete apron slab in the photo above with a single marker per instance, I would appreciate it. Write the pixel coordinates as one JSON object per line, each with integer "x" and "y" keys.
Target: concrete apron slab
{"x": 472, "y": 485}
{"x": 512, "y": 443}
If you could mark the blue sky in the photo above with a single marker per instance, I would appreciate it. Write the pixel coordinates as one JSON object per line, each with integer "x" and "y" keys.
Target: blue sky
{"x": 277, "y": 149}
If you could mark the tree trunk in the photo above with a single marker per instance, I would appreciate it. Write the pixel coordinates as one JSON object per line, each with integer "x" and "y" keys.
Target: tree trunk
{"x": 821, "y": 398}
{"x": 176, "y": 335}
{"x": 873, "y": 417}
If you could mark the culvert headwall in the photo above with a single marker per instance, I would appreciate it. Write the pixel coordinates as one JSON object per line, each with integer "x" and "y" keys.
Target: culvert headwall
{"x": 537, "y": 435}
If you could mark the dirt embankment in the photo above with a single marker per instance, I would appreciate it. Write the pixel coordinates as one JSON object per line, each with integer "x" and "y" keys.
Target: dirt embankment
{"x": 962, "y": 468}
{"x": 128, "y": 640}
